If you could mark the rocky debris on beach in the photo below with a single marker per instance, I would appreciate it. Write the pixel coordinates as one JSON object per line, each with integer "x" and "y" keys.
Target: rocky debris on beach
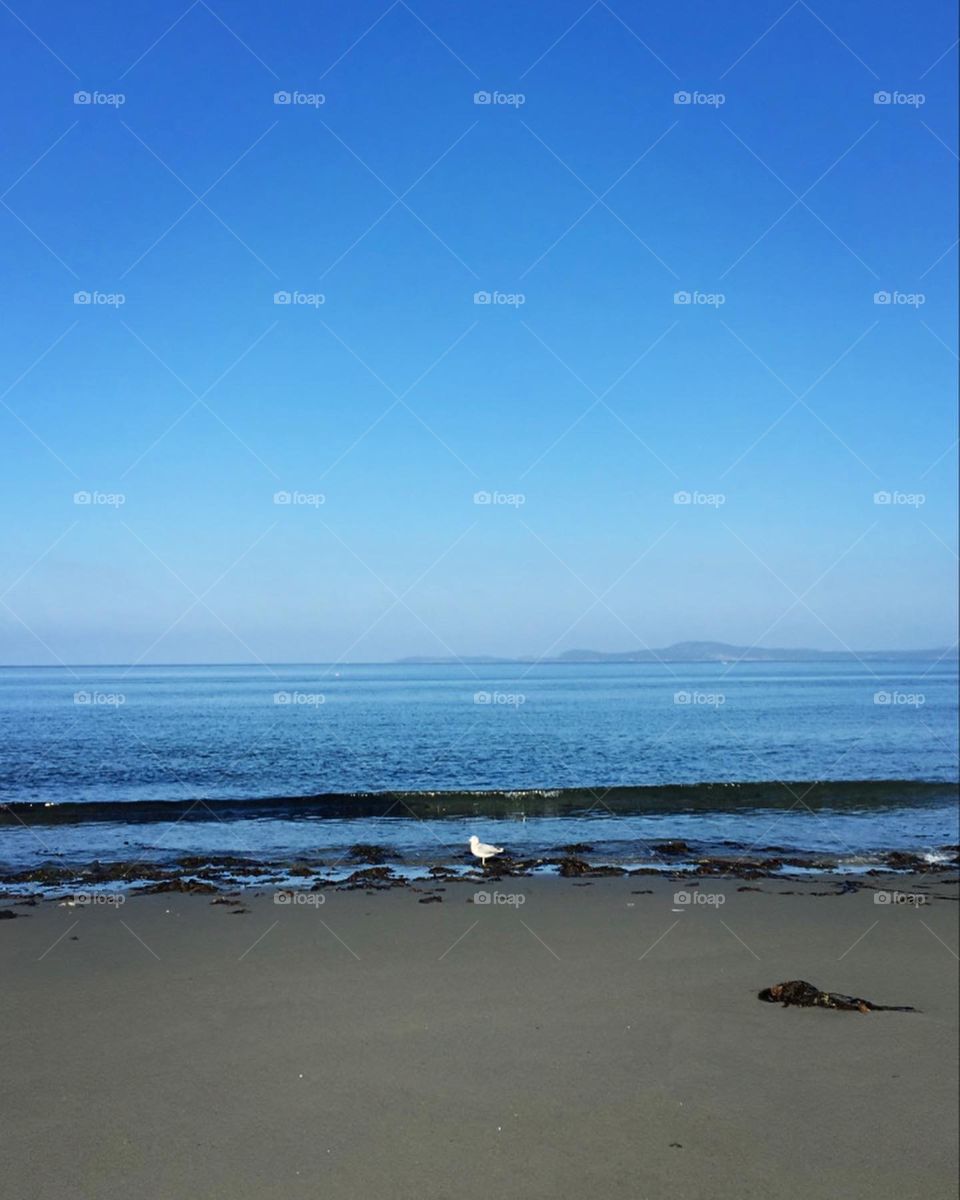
{"x": 505, "y": 867}
{"x": 368, "y": 866}
{"x": 739, "y": 868}
{"x": 369, "y": 878}
{"x": 572, "y": 867}
{"x": 845, "y": 886}
{"x": 187, "y": 886}
{"x": 898, "y": 860}
{"x": 444, "y": 875}
{"x": 199, "y": 862}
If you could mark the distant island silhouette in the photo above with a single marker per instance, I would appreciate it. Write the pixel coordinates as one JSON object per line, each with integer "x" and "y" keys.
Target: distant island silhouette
{"x": 720, "y": 652}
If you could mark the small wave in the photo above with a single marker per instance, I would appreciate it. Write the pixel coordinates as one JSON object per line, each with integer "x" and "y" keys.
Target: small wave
{"x": 721, "y": 797}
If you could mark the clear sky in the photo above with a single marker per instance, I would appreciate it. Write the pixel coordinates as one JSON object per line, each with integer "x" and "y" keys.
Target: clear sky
{"x": 782, "y": 188}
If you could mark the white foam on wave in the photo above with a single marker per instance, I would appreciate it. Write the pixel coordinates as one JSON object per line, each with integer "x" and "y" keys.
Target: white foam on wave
{"x": 937, "y": 856}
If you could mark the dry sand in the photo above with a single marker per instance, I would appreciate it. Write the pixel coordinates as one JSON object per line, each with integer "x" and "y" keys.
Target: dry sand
{"x": 592, "y": 1042}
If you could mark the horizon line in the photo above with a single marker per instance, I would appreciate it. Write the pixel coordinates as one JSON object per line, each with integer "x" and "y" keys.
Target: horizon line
{"x": 453, "y": 660}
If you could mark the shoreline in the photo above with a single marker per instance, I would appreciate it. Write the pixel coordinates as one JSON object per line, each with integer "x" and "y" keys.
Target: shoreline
{"x": 378, "y": 867}
{"x": 595, "y": 1037}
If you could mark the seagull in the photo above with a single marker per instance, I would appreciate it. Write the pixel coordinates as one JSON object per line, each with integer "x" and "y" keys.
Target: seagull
{"x": 482, "y": 851}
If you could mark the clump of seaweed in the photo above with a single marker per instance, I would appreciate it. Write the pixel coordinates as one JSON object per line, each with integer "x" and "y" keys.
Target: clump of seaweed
{"x": 368, "y": 853}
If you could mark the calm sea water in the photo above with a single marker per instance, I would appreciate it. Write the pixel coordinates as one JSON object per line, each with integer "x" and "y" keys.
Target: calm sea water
{"x": 561, "y": 735}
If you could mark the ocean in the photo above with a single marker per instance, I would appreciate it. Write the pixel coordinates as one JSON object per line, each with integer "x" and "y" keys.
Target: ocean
{"x": 838, "y": 761}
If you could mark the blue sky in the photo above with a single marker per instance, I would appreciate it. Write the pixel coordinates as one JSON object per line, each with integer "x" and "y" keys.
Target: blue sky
{"x": 782, "y": 198}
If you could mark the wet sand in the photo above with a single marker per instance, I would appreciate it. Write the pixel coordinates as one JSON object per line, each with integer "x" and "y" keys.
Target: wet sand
{"x": 589, "y": 1042}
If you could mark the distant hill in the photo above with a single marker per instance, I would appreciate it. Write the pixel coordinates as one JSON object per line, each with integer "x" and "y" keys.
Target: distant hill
{"x": 703, "y": 652}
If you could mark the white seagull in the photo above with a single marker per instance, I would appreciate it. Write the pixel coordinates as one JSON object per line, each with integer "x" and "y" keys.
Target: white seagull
{"x": 482, "y": 851}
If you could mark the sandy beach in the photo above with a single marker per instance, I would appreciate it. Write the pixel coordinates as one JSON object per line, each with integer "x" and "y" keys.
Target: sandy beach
{"x": 594, "y": 1038}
